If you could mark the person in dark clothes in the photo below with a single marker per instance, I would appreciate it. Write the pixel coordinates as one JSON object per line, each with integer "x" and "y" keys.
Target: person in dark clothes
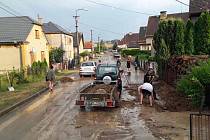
{"x": 50, "y": 78}
{"x": 118, "y": 63}
{"x": 149, "y": 78}
{"x": 119, "y": 87}
{"x": 128, "y": 64}
{"x": 137, "y": 63}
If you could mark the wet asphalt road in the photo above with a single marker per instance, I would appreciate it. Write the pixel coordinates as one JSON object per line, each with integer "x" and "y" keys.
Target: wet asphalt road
{"x": 55, "y": 117}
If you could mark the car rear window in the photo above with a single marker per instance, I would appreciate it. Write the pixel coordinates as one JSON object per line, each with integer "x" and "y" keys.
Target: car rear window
{"x": 103, "y": 70}
{"x": 87, "y": 64}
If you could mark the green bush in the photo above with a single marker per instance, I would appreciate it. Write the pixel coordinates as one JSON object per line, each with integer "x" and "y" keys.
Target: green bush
{"x": 21, "y": 77}
{"x": 85, "y": 53}
{"x": 193, "y": 85}
{"x": 134, "y": 52}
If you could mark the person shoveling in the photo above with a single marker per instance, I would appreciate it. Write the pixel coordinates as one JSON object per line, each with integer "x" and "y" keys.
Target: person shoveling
{"x": 146, "y": 90}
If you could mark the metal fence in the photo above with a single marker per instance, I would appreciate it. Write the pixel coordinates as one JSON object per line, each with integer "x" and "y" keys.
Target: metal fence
{"x": 200, "y": 126}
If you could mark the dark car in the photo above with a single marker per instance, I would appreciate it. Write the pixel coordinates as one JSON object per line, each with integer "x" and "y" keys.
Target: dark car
{"x": 107, "y": 72}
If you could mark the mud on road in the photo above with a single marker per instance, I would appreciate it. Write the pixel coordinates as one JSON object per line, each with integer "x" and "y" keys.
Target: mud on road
{"x": 56, "y": 117}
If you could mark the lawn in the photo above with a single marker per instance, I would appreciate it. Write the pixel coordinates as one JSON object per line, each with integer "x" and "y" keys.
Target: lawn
{"x": 22, "y": 91}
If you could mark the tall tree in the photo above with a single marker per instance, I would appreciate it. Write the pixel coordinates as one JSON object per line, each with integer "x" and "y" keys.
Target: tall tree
{"x": 179, "y": 37}
{"x": 164, "y": 52}
{"x": 202, "y": 34}
{"x": 56, "y": 55}
{"x": 188, "y": 38}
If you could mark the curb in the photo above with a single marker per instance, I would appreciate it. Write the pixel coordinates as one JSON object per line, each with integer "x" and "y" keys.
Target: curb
{"x": 7, "y": 110}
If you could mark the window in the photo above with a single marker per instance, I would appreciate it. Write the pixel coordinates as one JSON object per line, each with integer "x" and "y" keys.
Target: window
{"x": 32, "y": 57}
{"x": 87, "y": 64}
{"x": 69, "y": 41}
{"x": 42, "y": 56}
{"x": 37, "y": 34}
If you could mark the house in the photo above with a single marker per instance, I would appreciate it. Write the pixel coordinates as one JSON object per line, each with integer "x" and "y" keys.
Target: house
{"x": 80, "y": 42}
{"x": 59, "y": 38}
{"x": 121, "y": 45}
{"x": 88, "y": 46}
{"x": 142, "y": 39}
{"x": 154, "y": 21}
{"x": 131, "y": 40}
{"x": 22, "y": 42}
{"x": 197, "y": 7}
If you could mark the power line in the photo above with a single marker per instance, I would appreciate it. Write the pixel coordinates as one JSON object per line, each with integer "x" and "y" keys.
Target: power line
{"x": 118, "y": 8}
{"x": 197, "y": 5}
{"x": 14, "y": 11}
{"x": 100, "y": 29}
{"x": 182, "y": 3}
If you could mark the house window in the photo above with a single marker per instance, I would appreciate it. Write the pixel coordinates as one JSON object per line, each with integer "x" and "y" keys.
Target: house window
{"x": 69, "y": 40}
{"x": 37, "y": 34}
{"x": 42, "y": 56}
{"x": 32, "y": 57}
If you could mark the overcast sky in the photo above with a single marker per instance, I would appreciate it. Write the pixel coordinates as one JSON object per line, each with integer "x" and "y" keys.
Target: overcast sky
{"x": 108, "y": 23}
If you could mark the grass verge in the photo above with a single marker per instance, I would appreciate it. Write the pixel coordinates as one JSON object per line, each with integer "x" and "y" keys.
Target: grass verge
{"x": 23, "y": 91}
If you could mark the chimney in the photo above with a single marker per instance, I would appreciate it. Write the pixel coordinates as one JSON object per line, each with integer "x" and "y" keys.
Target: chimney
{"x": 163, "y": 15}
{"x": 39, "y": 19}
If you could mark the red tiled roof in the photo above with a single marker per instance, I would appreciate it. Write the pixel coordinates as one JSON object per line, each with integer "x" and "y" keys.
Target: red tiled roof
{"x": 130, "y": 38}
{"x": 153, "y": 22}
{"x": 120, "y": 42}
{"x": 88, "y": 45}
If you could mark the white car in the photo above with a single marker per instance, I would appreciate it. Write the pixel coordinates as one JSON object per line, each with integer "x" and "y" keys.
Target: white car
{"x": 87, "y": 68}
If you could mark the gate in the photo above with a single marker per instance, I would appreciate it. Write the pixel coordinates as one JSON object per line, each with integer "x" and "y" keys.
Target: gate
{"x": 200, "y": 126}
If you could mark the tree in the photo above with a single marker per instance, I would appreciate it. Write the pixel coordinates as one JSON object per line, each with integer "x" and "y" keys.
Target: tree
{"x": 188, "y": 38}
{"x": 164, "y": 52}
{"x": 179, "y": 37}
{"x": 56, "y": 55}
{"x": 85, "y": 53}
{"x": 202, "y": 34}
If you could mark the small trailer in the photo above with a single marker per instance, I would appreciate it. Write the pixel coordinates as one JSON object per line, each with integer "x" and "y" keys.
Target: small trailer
{"x": 98, "y": 95}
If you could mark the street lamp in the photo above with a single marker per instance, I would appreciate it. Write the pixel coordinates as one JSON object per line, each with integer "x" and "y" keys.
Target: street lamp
{"x": 77, "y": 40}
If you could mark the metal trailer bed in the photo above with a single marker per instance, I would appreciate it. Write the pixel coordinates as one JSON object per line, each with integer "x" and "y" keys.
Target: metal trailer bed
{"x": 98, "y": 99}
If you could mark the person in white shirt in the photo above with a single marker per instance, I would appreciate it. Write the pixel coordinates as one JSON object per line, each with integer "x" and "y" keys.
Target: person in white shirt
{"x": 146, "y": 90}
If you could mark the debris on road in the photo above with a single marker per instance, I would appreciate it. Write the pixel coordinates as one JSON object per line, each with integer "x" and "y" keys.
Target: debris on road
{"x": 66, "y": 79}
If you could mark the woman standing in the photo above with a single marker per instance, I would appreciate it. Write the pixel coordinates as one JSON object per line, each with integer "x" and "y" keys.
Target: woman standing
{"x": 50, "y": 78}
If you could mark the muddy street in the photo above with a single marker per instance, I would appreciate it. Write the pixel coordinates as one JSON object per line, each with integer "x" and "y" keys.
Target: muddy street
{"x": 56, "y": 117}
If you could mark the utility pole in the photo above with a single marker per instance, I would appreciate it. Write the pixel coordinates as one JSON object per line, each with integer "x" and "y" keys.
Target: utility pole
{"x": 99, "y": 46}
{"x": 77, "y": 38}
{"x": 91, "y": 36}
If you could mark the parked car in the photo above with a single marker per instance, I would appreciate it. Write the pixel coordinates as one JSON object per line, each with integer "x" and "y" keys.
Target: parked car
{"x": 87, "y": 68}
{"x": 106, "y": 72}
{"x": 116, "y": 55}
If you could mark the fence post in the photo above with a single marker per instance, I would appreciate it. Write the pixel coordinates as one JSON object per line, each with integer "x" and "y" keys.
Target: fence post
{"x": 190, "y": 126}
